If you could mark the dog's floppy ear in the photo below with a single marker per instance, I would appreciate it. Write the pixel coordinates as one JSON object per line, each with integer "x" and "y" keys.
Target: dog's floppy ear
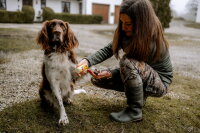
{"x": 42, "y": 38}
{"x": 72, "y": 41}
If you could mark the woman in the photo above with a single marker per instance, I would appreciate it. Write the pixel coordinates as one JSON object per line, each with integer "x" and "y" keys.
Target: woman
{"x": 145, "y": 68}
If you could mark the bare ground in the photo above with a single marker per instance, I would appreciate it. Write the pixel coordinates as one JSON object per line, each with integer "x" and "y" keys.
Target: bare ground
{"x": 20, "y": 77}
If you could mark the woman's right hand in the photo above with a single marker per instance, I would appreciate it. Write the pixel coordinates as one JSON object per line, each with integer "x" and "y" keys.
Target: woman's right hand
{"x": 100, "y": 74}
{"x": 83, "y": 62}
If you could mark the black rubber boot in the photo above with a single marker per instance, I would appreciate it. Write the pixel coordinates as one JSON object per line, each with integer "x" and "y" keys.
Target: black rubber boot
{"x": 134, "y": 93}
{"x": 134, "y": 110}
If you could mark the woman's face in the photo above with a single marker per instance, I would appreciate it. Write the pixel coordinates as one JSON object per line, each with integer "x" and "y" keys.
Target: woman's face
{"x": 127, "y": 25}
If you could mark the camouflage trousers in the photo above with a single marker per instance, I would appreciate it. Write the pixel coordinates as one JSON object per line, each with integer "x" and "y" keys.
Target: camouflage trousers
{"x": 141, "y": 72}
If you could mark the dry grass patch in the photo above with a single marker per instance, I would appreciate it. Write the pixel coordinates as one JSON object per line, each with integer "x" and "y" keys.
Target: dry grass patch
{"x": 193, "y": 25}
{"x": 15, "y": 40}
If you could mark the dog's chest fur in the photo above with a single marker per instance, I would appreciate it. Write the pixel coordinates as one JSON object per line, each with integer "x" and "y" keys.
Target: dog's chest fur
{"x": 57, "y": 69}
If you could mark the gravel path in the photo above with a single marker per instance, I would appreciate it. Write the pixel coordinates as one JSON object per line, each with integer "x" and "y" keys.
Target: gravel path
{"x": 20, "y": 78}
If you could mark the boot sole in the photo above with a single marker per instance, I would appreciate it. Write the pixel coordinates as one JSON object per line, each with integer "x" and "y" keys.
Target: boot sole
{"x": 135, "y": 120}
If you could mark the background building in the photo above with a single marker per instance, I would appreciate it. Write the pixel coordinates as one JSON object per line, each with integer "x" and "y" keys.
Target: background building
{"x": 108, "y": 9}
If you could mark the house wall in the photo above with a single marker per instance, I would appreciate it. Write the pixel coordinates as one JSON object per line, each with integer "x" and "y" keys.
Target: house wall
{"x": 198, "y": 14}
{"x": 111, "y": 3}
{"x": 55, "y": 5}
{"x": 37, "y": 8}
{"x": 74, "y": 9}
{"x": 13, "y": 5}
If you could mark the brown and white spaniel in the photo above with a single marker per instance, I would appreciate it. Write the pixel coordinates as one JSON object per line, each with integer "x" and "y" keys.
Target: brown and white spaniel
{"x": 57, "y": 41}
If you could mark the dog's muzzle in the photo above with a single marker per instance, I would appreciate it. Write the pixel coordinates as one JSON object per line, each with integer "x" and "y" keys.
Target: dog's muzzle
{"x": 57, "y": 36}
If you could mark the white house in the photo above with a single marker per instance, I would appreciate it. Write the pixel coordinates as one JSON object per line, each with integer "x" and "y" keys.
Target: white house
{"x": 108, "y": 9}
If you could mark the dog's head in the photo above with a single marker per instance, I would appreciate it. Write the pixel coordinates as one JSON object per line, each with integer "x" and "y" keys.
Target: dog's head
{"x": 56, "y": 33}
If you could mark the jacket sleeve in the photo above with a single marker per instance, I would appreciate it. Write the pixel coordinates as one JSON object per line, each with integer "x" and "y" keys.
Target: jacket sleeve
{"x": 101, "y": 55}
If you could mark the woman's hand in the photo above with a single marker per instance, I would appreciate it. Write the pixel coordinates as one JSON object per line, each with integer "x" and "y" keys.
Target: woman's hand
{"x": 99, "y": 75}
{"x": 83, "y": 62}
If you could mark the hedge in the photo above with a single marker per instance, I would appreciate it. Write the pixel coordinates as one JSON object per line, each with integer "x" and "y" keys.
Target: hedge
{"x": 11, "y": 17}
{"x": 79, "y": 19}
{"x": 29, "y": 14}
{"x": 49, "y": 14}
{"x": 25, "y": 16}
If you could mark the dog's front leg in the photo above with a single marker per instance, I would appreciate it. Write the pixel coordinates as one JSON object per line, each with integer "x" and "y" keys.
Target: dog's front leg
{"x": 57, "y": 92}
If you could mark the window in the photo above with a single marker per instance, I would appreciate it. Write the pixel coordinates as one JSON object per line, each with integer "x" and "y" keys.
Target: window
{"x": 28, "y": 2}
{"x": 66, "y": 7}
{"x": 2, "y": 4}
{"x": 43, "y": 3}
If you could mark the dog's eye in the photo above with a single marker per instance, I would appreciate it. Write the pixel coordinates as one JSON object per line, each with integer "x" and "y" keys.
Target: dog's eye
{"x": 52, "y": 25}
{"x": 61, "y": 24}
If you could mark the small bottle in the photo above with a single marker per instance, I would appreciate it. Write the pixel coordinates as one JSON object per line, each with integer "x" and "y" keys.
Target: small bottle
{"x": 81, "y": 68}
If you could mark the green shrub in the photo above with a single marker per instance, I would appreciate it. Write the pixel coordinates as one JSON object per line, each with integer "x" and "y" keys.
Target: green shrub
{"x": 25, "y": 16}
{"x": 11, "y": 17}
{"x": 28, "y": 14}
{"x": 162, "y": 9}
{"x": 49, "y": 14}
{"x": 79, "y": 19}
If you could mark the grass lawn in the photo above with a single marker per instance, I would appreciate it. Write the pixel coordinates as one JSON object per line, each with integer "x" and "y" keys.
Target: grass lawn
{"x": 16, "y": 40}
{"x": 90, "y": 114}
{"x": 193, "y": 25}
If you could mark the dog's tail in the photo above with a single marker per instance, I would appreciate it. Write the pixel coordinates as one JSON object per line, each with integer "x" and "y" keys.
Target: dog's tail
{"x": 79, "y": 91}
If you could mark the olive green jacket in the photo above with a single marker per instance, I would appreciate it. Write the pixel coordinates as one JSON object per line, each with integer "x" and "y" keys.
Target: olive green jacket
{"x": 163, "y": 66}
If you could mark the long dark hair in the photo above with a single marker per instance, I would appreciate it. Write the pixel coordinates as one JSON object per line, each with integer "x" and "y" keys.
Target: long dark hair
{"x": 146, "y": 29}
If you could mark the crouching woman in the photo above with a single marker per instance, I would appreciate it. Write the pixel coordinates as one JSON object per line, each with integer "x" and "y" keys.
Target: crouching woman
{"x": 145, "y": 67}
